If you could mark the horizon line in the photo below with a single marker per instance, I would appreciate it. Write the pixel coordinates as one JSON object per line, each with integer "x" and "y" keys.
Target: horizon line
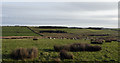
{"x": 64, "y": 26}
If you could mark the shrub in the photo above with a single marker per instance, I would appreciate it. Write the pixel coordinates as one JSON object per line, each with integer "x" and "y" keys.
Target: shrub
{"x": 78, "y": 46}
{"x": 24, "y": 53}
{"x": 57, "y": 60}
{"x": 97, "y": 48}
{"x": 84, "y": 47}
{"x": 88, "y": 47}
{"x": 97, "y": 41}
{"x": 32, "y": 53}
{"x": 57, "y": 47}
{"x": 35, "y": 39}
{"x": 61, "y": 47}
{"x": 92, "y": 40}
{"x": 114, "y": 39}
{"x": 66, "y": 47}
{"x": 65, "y": 55}
{"x": 110, "y": 39}
{"x": 94, "y": 48}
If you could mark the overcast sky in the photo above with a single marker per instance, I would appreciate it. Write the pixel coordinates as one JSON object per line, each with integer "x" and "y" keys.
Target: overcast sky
{"x": 82, "y": 14}
{"x": 60, "y": 0}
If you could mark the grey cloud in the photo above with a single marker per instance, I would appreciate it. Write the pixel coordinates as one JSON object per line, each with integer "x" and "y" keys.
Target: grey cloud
{"x": 56, "y": 13}
{"x": 106, "y": 16}
{"x": 64, "y": 6}
{"x": 56, "y": 20}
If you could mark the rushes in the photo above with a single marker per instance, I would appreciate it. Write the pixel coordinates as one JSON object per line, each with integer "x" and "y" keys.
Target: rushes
{"x": 77, "y": 47}
{"x": 65, "y": 55}
{"x": 24, "y": 53}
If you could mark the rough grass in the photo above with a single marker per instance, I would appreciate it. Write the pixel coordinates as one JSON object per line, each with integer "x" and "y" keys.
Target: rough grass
{"x": 61, "y": 47}
{"x": 23, "y": 31}
{"x": 80, "y": 31}
{"x": 24, "y": 53}
{"x": 45, "y": 47}
{"x": 46, "y": 51}
{"x": 65, "y": 55}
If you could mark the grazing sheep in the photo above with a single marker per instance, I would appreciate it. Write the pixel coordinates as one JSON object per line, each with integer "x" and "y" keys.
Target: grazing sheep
{"x": 50, "y": 37}
{"x": 65, "y": 55}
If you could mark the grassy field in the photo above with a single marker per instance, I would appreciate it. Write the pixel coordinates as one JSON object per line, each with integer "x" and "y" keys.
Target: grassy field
{"x": 109, "y": 50}
{"x": 17, "y": 31}
{"x": 24, "y": 31}
{"x": 79, "y": 32}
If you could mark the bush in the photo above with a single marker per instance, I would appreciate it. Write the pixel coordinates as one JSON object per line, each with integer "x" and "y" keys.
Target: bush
{"x": 88, "y": 47}
{"x": 35, "y": 39}
{"x": 92, "y": 40}
{"x": 97, "y": 41}
{"x": 65, "y": 55}
{"x": 66, "y": 47}
{"x": 24, "y": 53}
{"x": 84, "y": 47}
{"x": 19, "y": 53}
{"x": 93, "y": 48}
{"x": 33, "y": 53}
{"x": 110, "y": 39}
{"x": 61, "y": 47}
{"x": 96, "y": 48}
{"x": 57, "y": 47}
{"x": 57, "y": 60}
{"x": 77, "y": 47}
{"x": 114, "y": 39}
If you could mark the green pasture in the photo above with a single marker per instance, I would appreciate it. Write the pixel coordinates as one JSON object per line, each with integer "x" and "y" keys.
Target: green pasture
{"x": 17, "y": 31}
{"x": 109, "y": 51}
